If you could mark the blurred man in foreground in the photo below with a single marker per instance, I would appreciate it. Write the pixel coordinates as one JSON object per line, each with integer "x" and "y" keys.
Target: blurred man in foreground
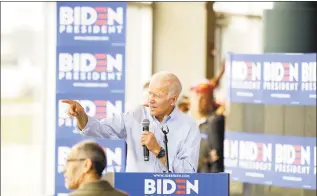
{"x": 83, "y": 170}
{"x": 163, "y": 115}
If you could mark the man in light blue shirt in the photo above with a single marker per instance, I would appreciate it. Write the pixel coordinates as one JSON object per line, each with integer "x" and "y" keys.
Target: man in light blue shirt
{"x": 183, "y": 137}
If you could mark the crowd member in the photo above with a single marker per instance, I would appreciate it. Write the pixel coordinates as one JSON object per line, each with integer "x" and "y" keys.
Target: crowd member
{"x": 184, "y": 104}
{"x": 83, "y": 170}
{"x": 211, "y": 120}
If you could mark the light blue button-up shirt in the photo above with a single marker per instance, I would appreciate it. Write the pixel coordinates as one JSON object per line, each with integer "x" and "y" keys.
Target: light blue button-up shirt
{"x": 183, "y": 139}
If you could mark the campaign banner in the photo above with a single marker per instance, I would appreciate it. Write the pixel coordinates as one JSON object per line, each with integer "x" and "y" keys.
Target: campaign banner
{"x": 285, "y": 161}
{"x": 286, "y": 80}
{"x": 86, "y": 23}
{"x": 114, "y": 149}
{"x": 90, "y": 69}
{"x": 283, "y": 79}
{"x": 99, "y": 106}
{"x": 173, "y": 184}
{"x": 308, "y": 79}
{"x": 245, "y": 78}
{"x": 90, "y": 57}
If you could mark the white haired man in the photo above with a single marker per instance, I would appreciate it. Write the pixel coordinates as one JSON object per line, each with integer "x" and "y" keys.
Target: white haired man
{"x": 184, "y": 135}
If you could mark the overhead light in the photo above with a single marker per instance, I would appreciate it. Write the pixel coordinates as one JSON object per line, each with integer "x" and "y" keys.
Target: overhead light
{"x": 242, "y": 8}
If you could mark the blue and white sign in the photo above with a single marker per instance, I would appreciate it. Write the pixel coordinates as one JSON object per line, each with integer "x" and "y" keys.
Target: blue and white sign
{"x": 308, "y": 79}
{"x": 283, "y": 79}
{"x": 90, "y": 69}
{"x": 136, "y": 184}
{"x": 99, "y": 106}
{"x": 281, "y": 83}
{"x": 246, "y": 78}
{"x": 271, "y": 159}
{"x": 82, "y": 23}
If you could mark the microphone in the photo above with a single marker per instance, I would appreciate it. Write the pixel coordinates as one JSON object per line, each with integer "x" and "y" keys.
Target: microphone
{"x": 145, "y": 124}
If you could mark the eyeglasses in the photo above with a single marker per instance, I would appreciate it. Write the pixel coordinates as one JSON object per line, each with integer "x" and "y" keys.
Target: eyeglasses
{"x": 72, "y": 160}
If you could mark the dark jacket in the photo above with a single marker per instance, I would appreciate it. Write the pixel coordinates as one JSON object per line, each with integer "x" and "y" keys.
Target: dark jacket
{"x": 98, "y": 188}
{"x": 213, "y": 135}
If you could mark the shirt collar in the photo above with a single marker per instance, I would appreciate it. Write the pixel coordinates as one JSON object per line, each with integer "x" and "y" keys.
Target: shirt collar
{"x": 172, "y": 115}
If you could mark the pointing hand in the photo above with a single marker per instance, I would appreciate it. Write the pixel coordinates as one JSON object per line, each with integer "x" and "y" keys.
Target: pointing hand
{"x": 76, "y": 110}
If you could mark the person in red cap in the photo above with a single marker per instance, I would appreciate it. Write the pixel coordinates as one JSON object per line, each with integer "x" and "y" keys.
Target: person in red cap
{"x": 184, "y": 104}
{"x": 211, "y": 121}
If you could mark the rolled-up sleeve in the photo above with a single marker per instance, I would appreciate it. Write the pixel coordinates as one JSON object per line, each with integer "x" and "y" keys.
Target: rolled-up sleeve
{"x": 110, "y": 128}
{"x": 186, "y": 160}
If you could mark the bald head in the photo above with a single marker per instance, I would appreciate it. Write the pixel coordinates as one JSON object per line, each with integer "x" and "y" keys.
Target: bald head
{"x": 93, "y": 151}
{"x": 169, "y": 81}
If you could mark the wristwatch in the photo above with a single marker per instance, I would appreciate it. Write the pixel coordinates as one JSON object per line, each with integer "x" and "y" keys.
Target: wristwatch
{"x": 161, "y": 153}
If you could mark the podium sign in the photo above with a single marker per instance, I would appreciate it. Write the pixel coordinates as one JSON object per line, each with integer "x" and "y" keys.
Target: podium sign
{"x": 148, "y": 184}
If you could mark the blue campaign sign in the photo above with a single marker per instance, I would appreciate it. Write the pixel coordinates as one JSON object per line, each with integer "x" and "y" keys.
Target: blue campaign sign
{"x": 245, "y": 78}
{"x": 308, "y": 79}
{"x": 115, "y": 150}
{"x": 285, "y": 161}
{"x": 99, "y": 106}
{"x": 136, "y": 184}
{"x": 282, "y": 75}
{"x": 283, "y": 79}
{"x": 84, "y": 23}
{"x": 90, "y": 69}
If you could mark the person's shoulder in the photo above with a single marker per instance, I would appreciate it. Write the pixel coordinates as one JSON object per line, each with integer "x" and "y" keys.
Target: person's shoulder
{"x": 114, "y": 192}
{"x": 72, "y": 194}
{"x": 186, "y": 119}
{"x": 75, "y": 193}
{"x": 137, "y": 113}
{"x": 86, "y": 192}
{"x": 100, "y": 188}
{"x": 118, "y": 192}
{"x": 218, "y": 118}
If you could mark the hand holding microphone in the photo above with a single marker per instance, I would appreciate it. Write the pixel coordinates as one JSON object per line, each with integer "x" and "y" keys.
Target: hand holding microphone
{"x": 148, "y": 141}
{"x": 145, "y": 124}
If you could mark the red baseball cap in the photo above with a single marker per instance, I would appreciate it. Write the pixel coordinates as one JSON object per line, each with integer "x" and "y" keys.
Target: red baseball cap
{"x": 203, "y": 86}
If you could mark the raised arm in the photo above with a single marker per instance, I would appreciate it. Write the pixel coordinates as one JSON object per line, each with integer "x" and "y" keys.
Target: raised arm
{"x": 111, "y": 128}
{"x": 215, "y": 81}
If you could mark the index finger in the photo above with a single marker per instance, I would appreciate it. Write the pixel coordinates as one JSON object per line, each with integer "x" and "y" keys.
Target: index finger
{"x": 68, "y": 101}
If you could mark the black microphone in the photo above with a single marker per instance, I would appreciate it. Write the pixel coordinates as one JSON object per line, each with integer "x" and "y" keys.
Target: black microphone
{"x": 146, "y": 124}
